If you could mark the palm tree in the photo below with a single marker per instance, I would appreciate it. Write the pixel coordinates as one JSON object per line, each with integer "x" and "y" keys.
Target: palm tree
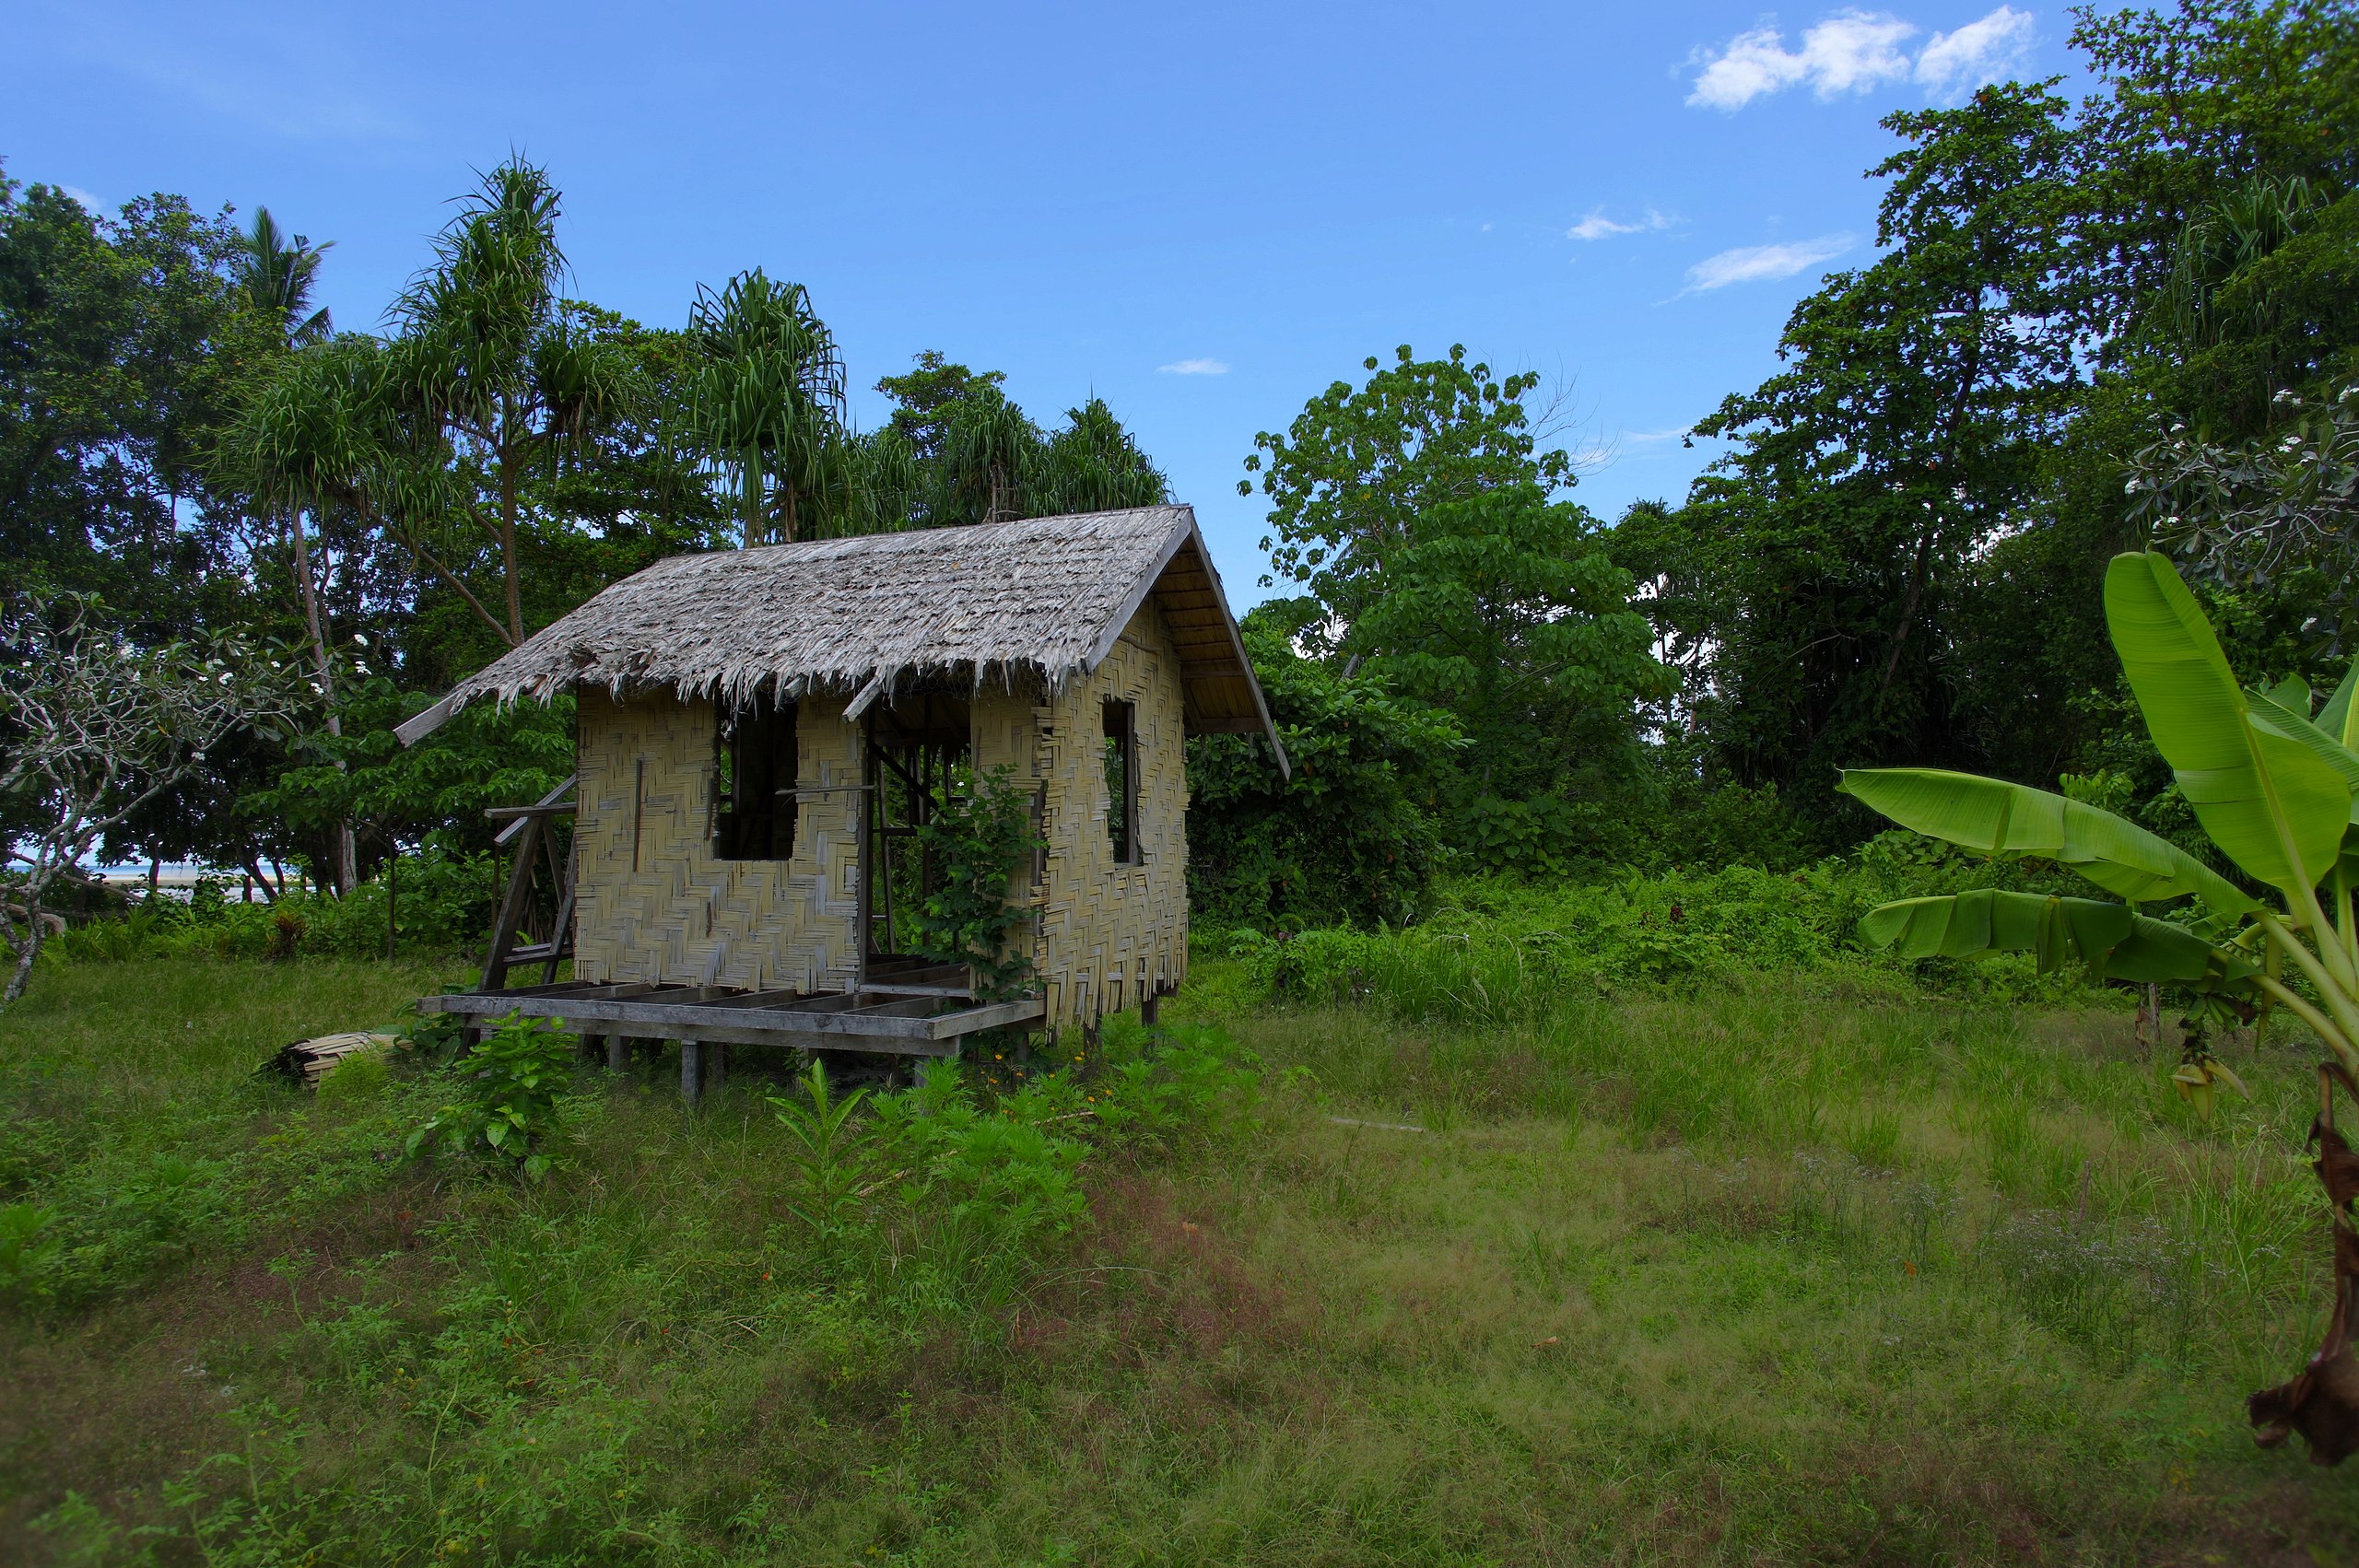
{"x": 492, "y": 359}
{"x": 767, "y": 400}
{"x": 276, "y": 277}
{"x": 989, "y": 455}
{"x": 1092, "y": 465}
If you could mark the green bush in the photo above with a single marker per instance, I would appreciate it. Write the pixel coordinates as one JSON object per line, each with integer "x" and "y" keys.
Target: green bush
{"x": 443, "y": 903}
{"x": 1499, "y": 950}
{"x": 506, "y": 1089}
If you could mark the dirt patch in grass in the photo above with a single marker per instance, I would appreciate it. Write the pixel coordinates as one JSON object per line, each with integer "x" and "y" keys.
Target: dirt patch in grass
{"x": 113, "y": 1404}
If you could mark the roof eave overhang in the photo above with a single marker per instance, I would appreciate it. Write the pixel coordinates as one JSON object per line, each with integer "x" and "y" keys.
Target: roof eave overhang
{"x": 1185, "y": 536}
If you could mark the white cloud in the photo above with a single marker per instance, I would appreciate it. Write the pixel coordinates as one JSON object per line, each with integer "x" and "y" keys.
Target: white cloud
{"x": 1597, "y": 225}
{"x": 1194, "y": 368}
{"x": 91, "y": 204}
{"x": 1758, "y": 263}
{"x": 1954, "y": 64}
{"x": 1849, "y": 52}
{"x": 1852, "y": 52}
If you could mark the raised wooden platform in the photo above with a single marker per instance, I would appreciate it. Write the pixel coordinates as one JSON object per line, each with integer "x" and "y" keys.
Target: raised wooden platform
{"x": 909, "y": 1013}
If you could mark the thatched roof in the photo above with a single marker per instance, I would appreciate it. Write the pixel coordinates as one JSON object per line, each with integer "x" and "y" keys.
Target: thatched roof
{"x": 1045, "y": 597}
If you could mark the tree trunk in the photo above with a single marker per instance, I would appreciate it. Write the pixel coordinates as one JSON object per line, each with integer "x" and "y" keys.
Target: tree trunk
{"x": 35, "y": 885}
{"x": 315, "y": 618}
{"x": 508, "y": 528}
{"x": 24, "y": 970}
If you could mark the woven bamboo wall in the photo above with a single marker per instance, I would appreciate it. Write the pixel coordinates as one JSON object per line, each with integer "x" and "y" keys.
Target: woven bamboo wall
{"x": 656, "y": 905}
{"x": 1110, "y": 931}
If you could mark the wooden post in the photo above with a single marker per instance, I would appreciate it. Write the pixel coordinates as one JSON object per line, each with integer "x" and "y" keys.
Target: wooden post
{"x": 561, "y": 932}
{"x": 691, "y": 1077}
{"x": 617, "y": 1050}
{"x": 1148, "y": 1007}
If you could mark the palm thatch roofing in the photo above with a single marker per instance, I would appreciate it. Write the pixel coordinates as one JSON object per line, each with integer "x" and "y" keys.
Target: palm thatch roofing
{"x": 1045, "y": 597}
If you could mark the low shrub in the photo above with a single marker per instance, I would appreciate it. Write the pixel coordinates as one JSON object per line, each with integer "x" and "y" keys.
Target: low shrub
{"x": 505, "y": 1097}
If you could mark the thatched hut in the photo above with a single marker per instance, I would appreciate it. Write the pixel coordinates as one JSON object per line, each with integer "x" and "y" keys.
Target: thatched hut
{"x": 755, "y": 728}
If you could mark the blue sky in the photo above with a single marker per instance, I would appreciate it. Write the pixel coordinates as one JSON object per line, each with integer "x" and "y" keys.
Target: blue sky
{"x": 1203, "y": 213}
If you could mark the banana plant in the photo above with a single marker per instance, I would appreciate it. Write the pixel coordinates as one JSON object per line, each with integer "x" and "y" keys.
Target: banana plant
{"x": 2274, "y": 785}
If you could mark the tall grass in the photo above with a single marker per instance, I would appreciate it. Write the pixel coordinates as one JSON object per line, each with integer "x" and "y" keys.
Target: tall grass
{"x": 1779, "y": 1268}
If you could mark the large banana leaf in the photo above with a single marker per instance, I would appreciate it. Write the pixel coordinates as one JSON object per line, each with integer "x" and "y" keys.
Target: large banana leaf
{"x": 2273, "y": 712}
{"x": 2008, "y": 821}
{"x": 2269, "y": 801}
{"x": 2336, "y": 718}
{"x": 2110, "y": 939}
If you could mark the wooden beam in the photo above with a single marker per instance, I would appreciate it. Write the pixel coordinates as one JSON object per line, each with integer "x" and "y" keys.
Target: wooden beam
{"x": 756, "y": 999}
{"x": 544, "y": 802}
{"x": 913, "y": 1006}
{"x": 850, "y": 1022}
{"x": 991, "y": 1016}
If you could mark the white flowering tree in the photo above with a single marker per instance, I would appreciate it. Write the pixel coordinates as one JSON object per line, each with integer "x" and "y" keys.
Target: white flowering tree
{"x": 2252, "y": 515}
{"x": 93, "y": 726}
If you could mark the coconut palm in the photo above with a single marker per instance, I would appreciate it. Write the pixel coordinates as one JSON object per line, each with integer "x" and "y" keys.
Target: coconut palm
{"x": 277, "y": 276}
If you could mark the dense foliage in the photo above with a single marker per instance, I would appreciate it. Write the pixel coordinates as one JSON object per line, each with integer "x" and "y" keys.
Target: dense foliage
{"x": 1896, "y": 557}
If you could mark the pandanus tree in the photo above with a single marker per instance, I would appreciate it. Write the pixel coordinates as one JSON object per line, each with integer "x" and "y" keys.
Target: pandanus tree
{"x": 991, "y": 453}
{"x": 1095, "y": 465}
{"x": 492, "y": 360}
{"x": 2274, "y": 784}
{"x": 766, "y": 400}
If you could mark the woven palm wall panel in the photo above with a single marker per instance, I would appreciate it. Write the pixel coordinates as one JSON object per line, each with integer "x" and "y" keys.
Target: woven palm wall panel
{"x": 656, "y": 904}
{"x": 1108, "y": 932}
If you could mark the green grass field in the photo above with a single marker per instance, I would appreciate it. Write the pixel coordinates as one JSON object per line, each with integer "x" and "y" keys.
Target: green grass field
{"x": 1775, "y": 1271}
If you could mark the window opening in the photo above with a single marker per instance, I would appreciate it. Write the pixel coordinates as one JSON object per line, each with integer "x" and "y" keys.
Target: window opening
{"x": 753, "y": 782}
{"x": 1122, "y": 781}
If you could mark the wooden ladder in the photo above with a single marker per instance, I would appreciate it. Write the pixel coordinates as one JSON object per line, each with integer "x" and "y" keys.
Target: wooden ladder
{"x": 534, "y": 846}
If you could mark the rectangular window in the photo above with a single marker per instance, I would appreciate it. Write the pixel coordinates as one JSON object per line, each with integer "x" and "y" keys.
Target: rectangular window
{"x": 753, "y": 782}
{"x": 1122, "y": 781}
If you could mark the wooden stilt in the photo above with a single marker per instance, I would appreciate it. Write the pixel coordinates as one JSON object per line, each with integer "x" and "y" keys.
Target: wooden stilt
{"x": 618, "y": 1052}
{"x": 691, "y": 1075}
{"x": 1147, "y": 1008}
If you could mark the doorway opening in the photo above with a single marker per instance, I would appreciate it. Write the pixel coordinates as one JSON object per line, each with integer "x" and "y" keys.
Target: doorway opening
{"x": 914, "y": 744}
